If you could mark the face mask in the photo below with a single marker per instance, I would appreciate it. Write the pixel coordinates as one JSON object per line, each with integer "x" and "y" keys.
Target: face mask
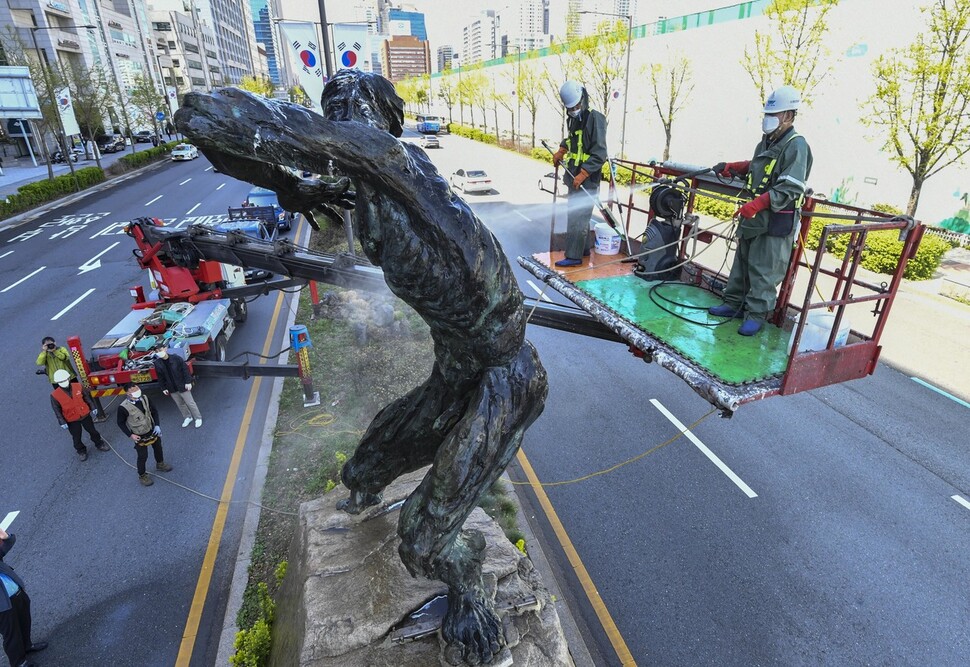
{"x": 163, "y": 354}
{"x": 135, "y": 395}
{"x": 64, "y": 385}
{"x": 769, "y": 124}
{"x": 574, "y": 113}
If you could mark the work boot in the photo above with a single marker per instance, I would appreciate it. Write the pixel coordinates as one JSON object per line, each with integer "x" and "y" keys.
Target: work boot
{"x": 161, "y": 466}
{"x": 102, "y": 445}
{"x": 82, "y": 454}
{"x": 569, "y": 262}
{"x": 750, "y": 327}
{"x": 725, "y": 310}
{"x": 145, "y": 479}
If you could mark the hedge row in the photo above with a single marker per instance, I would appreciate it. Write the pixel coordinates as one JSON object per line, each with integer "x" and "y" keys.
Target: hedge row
{"x": 34, "y": 194}
{"x": 138, "y": 159}
{"x": 472, "y": 133}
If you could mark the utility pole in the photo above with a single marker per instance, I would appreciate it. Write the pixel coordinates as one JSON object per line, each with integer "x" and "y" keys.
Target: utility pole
{"x": 328, "y": 68}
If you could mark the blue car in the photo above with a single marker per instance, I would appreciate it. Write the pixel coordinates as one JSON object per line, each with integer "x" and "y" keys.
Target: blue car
{"x": 264, "y": 197}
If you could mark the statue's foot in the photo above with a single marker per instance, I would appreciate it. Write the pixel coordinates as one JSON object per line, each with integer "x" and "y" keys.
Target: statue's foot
{"x": 472, "y": 629}
{"x": 358, "y": 502}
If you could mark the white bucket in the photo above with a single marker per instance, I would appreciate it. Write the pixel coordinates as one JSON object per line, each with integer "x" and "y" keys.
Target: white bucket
{"x": 815, "y": 335}
{"x": 607, "y": 240}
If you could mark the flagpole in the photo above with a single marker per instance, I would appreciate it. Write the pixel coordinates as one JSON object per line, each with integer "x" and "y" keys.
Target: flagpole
{"x": 328, "y": 68}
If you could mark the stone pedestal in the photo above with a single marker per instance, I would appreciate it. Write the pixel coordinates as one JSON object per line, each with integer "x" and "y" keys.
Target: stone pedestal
{"x": 346, "y": 590}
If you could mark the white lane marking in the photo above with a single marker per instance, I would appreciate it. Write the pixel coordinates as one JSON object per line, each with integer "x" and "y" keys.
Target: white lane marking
{"x": 940, "y": 392}
{"x": 708, "y": 453}
{"x": 72, "y": 304}
{"x": 23, "y": 279}
{"x": 208, "y": 169}
{"x": 221, "y": 186}
{"x": 193, "y": 208}
{"x": 962, "y": 501}
{"x": 154, "y": 200}
{"x": 539, "y": 291}
{"x": 94, "y": 262}
{"x": 7, "y": 520}
{"x": 524, "y": 217}
{"x": 9, "y": 252}
{"x": 185, "y": 181}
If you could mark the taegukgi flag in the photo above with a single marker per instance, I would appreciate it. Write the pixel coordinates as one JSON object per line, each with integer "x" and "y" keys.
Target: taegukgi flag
{"x": 304, "y": 54}
{"x": 173, "y": 99}
{"x": 66, "y": 107}
{"x": 351, "y": 46}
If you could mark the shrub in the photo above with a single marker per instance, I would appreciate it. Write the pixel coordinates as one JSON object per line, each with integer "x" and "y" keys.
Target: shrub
{"x": 252, "y": 646}
{"x": 34, "y": 194}
{"x": 715, "y": 208}
{"x": 887, "y": 208}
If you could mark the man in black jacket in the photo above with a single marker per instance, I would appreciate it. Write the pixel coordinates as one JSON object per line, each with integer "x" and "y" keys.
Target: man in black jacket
{"x": 14, "y": 610}
{"x": 176, "y": 381}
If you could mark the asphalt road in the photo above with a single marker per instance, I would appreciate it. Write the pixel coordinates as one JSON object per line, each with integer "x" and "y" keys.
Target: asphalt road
{"x": 840, "y": 541}
{"x": 111, "y": 565}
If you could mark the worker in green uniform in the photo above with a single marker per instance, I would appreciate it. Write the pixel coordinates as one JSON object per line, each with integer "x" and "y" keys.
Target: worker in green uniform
{"x": 583, "y": 153}
{"x": 767, "y": 224}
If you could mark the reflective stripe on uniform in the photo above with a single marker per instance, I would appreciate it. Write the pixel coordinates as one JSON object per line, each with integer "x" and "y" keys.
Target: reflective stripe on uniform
{"x": 792, "y": 179}
{"x": 763, "y": 185}
{"x": 579, "y": 156}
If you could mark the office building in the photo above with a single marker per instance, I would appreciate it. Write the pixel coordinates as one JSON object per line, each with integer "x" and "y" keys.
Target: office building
{"x": 445, "y": 54}
{"x": 403, "y": 56}
{"x": 480, "y": 38}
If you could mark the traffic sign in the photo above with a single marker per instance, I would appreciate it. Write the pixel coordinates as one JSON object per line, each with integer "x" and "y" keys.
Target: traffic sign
{"x": 159, "y": 115}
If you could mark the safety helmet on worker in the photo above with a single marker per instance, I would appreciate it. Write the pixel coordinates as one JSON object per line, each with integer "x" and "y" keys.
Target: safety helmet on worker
{"x": 571, "y": 93}
{"x": 61, "y": 376}
{"x": 785, "y": 98}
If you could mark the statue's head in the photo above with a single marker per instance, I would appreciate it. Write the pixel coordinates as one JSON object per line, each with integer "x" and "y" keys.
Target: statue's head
{"x": 363, "y": 97}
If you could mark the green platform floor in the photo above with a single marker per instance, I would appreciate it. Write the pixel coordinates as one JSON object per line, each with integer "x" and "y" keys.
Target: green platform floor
{"x": 732, "y": 358}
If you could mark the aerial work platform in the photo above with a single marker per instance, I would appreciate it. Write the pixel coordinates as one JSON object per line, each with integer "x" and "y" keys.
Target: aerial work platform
{"x": 666, "y": 320}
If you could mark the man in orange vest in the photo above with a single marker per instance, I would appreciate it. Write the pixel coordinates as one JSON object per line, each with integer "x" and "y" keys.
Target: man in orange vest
{"x": 73, "y": 407}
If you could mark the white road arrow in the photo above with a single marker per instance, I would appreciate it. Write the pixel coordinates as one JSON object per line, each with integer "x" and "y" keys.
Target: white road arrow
{"x": 8, "y": 519}
{"x": 94, "y": 262}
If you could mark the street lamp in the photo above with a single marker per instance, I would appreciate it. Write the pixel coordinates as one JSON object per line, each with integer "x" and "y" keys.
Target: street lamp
{"x": 50, "y": 91}
{"x": 626, "y": 83}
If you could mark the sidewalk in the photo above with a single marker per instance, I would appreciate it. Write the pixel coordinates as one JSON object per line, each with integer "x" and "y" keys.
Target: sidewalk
{"x": 20, "y": 171}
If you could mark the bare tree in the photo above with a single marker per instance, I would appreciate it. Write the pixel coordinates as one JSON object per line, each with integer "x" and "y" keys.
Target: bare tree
{"x": 600, "y": 60}
{"x": 922, "y": 100}
{"x": 447, "y": 91}
{"x": 529, "y": 90}
{"x": 146, "y": 100}
{"x": 792, "y": 50}
{"x": 670, "y": 85}
{"x": 91, "y": 96}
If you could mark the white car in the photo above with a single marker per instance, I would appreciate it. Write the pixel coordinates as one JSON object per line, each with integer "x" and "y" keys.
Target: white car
{"x": 471, "y": 180}
{"x": 429, "y": 141}
{"x": 185, "y": 152}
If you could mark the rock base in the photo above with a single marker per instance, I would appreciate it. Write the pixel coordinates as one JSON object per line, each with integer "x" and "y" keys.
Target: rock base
{"x": 346, "y": 591}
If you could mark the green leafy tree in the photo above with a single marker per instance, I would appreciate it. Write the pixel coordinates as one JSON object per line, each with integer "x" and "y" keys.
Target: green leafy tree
{"x": 529, "y": 91}
{"x": 91, "y": 96}
{"x": 670, "y": 87}
{"x": 550, "y": 85}
{"x": 146, "y": 101}
{"x": 298, "y": 96}
{"x": 261, "y": 85}
{"x": 922, "y": 101}
{"x": 447, "y": 91}
{"x": 791, "y": 51}
{"x": 600, "y": 60}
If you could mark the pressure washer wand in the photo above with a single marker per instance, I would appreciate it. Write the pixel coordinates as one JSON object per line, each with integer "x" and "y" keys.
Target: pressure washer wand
{"x": 606, "y": 213}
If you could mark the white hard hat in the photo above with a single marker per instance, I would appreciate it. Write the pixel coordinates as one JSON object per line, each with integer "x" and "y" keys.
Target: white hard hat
{"x": 785, "y": 98}
{"x": 571, "y": 93}
{"x": 61, "y": 375}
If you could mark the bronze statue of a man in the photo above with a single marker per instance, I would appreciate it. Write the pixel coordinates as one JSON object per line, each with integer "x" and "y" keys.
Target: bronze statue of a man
{"x": 487, "y": 385}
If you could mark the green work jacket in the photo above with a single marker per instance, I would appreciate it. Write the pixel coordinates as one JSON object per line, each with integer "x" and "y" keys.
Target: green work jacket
{"x": 585, "y": 146}
{"x": 59, "y": 359}
{"x": 781, "y": 169}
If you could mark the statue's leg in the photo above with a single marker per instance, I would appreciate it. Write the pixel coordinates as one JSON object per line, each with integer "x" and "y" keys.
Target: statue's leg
{"x": 404, "y": 436}
{"x": 470, "y": 459}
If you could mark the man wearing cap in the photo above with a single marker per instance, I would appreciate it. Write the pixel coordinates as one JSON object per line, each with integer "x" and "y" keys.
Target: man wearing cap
{"x": 14, "y": 610}
{"x": 583, "y": 154}
{"x": 176, "y": 381}
{"x": 74, "y": 407}
{"x": 53, "y": 359}
{"x": 138, "y": 419}
{"x": 767, "y": 224}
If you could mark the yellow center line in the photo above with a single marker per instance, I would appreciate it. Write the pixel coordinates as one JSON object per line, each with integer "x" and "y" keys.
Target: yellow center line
{"x": 219, "y": 523}
{"x": 602, "y": 613}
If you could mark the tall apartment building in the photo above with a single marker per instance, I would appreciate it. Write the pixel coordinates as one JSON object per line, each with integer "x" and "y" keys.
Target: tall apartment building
{"x": 403, "y": 56}
{"x": 445, "y": 54}
{"x": 524, "y": 26}
{"x": 266, "y": 34}
{"x": 580, "y": 25}
{"x": 480, "y": 38}
{"x": 186, "y": 51}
